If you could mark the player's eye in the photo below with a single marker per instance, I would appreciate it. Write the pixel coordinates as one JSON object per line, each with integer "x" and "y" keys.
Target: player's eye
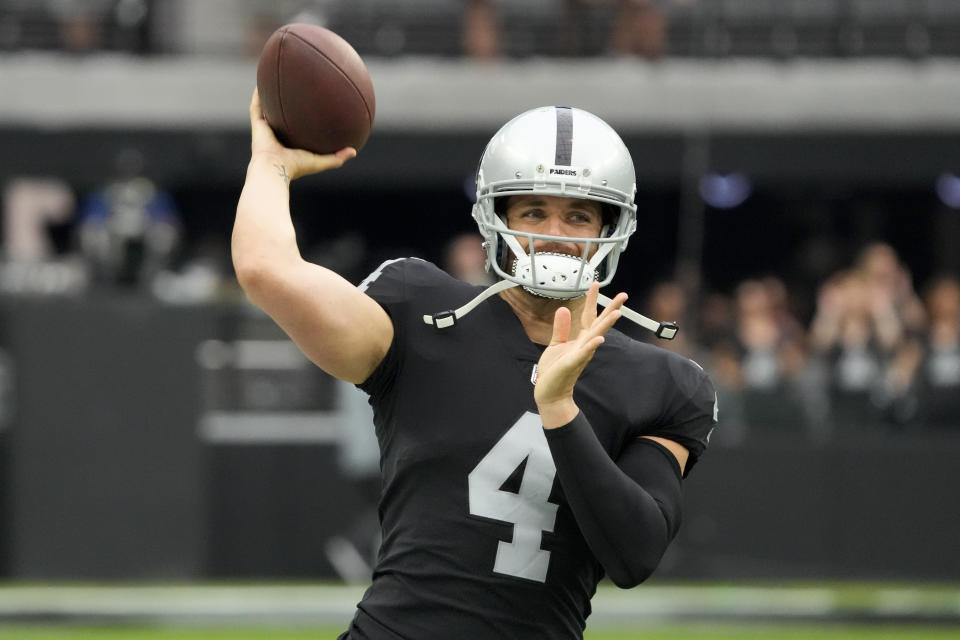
{"x": 580, "y": 217}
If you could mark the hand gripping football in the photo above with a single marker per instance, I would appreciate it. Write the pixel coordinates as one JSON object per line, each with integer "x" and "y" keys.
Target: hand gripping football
{"x": 315, "y": 91}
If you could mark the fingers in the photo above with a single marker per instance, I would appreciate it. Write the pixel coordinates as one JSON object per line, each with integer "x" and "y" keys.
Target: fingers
{"x": 618, "y": 301}
{"x": 346, "y": 154}
{"x": 595, "y": 343}
{"x": 603, "y": 324}
{"x": 595, "y": 327}
{"x": 589, "y": 313}
{"x": 605, "y": 320}
{"x": 262, "y": 137}
{"x": 256, "y": 113}
{"x": 306, "y": 162}
{"x": 561, "y": 326}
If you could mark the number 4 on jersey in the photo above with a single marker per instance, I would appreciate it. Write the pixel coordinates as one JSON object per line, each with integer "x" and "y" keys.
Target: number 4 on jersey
{"x": 529, "y": 509}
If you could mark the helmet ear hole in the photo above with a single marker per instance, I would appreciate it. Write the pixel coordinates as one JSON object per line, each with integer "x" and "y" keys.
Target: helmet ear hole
{"x": 609, "y": 215}
{"x": 500, "y": 209}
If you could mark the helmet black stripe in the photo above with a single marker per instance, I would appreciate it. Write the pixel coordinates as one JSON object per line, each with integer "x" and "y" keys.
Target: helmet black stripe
{"x": 564, "y": 137}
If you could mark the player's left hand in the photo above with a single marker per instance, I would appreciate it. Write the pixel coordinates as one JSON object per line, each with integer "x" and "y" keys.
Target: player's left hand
{"x": 564, "y": 359}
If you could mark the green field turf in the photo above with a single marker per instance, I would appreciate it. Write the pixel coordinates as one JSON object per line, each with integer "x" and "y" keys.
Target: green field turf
{"x": 316, "y": 611}
{"x": 684, "y": 632}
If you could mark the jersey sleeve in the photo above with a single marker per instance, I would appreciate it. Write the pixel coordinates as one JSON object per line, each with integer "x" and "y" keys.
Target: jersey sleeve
{"x": 387, "y": 285}
{"x": 691, "y": 408}
{"x": 404, "y": 287}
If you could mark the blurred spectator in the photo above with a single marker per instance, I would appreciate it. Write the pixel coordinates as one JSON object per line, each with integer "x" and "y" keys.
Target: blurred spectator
{"x": 38, "y": 213}
{"x": 77, "y": 23}
{"x": 768, "y": 342}
{"x": 929, "y": 368}
{"x": 782, "y": 309}
{"x": 31, "y": 207}
{"x": 465, "y": 259}
{"x": 668, "y": 302}
{"x": 129, "y": 228}
{"x": 85, "y": 26}
{"x": 890, "y": 285}
{"x": 481, "y": 30}
{"x": 639, "y": 28}
{"x": 714, "y": 319}
{"x": 79, "y": 33}
{"x": 856, "y": 331}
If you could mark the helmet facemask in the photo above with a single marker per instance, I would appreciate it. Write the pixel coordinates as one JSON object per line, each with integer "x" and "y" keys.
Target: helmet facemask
{"x": 546, "y": 273}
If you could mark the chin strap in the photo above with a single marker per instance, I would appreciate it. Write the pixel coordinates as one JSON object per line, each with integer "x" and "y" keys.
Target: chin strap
{"x": 664, "y": 330}
{"x": 444, "y": 319}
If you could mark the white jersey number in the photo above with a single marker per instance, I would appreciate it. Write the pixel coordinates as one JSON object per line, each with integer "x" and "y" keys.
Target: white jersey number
{"x": 528, "y": 509}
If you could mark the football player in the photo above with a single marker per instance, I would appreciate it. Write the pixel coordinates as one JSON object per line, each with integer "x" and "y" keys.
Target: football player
{"x": 527, "y": 448}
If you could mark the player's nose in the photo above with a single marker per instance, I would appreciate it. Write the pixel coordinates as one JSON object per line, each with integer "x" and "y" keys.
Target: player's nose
{"x": 554, "y": 225}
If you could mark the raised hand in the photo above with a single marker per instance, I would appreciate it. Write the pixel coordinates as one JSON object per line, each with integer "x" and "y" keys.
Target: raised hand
{"x": 564, "y": 359}
{"x": 294, "y": 162}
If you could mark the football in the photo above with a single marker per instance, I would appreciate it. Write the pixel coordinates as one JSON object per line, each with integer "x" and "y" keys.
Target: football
{"x": 315, "y": 91}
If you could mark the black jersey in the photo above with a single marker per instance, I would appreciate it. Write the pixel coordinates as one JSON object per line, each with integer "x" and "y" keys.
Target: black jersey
{"x": 477, "y": 539}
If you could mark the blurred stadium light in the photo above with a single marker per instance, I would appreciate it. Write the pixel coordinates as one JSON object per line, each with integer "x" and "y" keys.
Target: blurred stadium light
{"x": 948, "y": 188}
{"x": 725, "y": 191}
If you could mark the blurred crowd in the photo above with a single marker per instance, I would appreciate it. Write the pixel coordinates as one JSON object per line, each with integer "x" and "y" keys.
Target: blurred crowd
{"x": 876, "y": 353}
{"x": 636, "y": 27}
{"x": 491, "y": 29}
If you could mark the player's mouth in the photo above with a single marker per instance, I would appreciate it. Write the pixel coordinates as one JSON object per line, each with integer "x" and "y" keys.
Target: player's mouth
{"x": 574, "y": 251}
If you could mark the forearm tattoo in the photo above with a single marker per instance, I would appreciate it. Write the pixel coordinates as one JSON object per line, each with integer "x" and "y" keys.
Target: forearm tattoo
{"x": 282, "y": 170}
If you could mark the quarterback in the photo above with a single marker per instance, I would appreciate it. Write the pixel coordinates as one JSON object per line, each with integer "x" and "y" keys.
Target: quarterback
{"x": 528, "y": 448}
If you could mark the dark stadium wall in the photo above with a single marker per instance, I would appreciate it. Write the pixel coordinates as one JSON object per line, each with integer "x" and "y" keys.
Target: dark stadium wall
{"x": 109, "y": 476}
{"x": 443, "y": 159}
{"x": 869, "y": 504}
{"x": 104, "y": 463}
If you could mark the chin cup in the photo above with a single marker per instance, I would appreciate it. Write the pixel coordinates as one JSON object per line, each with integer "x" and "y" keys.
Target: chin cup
{"x": 554, "y": 275}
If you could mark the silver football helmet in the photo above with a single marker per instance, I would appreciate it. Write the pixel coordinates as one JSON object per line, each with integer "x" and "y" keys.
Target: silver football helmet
{"x": 565, "y": 152}
{"x": 556, "y": 151}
